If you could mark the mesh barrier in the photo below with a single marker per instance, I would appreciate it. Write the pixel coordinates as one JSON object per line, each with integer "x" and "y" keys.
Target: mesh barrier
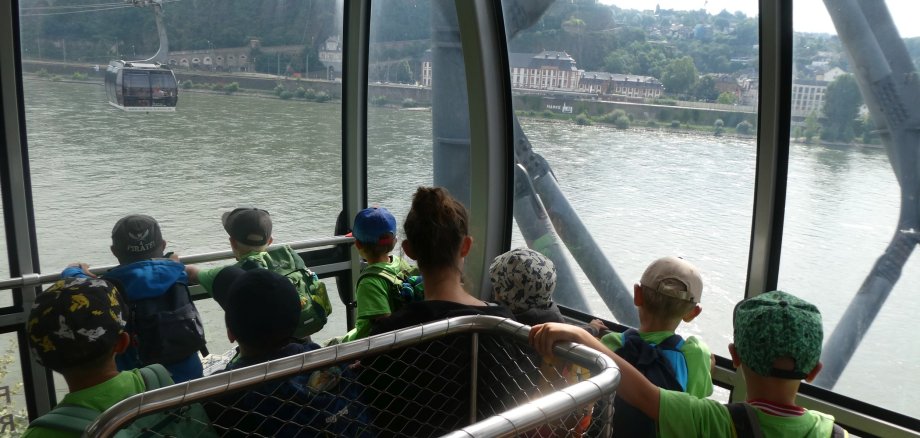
{"x": 430, "y": 380}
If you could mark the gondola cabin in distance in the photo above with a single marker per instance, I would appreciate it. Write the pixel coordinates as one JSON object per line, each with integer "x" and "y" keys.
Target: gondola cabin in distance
{"x": 141, "y": 86}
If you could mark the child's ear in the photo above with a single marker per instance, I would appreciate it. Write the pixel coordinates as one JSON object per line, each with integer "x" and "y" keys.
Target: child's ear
{"x": 124, "y": 340}
{"x": 736, "y": 360}
{"x": 693, "y": 313}
{"x": 358, "y": 245}
{"x": 814, "y": 372}
{"x": 637, "y": 295}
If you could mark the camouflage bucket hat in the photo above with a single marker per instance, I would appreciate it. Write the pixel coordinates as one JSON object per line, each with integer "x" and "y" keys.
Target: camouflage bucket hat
{"x": 75, "y": 321}
{"x": 523, "y": 279}
{"x": 776, "y": 324}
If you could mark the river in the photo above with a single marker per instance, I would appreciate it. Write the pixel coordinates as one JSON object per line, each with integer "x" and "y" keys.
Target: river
{"x": 642, "y": 193}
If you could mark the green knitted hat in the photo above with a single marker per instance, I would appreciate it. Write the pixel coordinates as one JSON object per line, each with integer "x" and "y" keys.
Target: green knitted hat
{"x": 774, "y": 325}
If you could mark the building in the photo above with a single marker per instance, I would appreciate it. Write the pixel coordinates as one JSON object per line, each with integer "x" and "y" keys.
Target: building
{"x": 330, "y": 54}
{"x": 598, "y": 82}
{"x": 547, "y": 70}
{"x": 808, "y": 98}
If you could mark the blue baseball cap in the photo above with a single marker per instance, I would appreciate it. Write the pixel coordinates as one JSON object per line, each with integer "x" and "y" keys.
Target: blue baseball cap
{"x": 375, "y": 225}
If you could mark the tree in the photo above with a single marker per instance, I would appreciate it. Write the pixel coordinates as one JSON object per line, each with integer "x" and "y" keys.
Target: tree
{"x": 680, "y": 76}
{"x": 727, "y": 98}
{"x": 705, "y": 89}
{"x": 812, "y": 128}
{"x": 841, "y": 106}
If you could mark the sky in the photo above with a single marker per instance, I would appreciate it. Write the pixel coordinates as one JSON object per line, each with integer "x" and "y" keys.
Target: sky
{"x": 808, "y": 15}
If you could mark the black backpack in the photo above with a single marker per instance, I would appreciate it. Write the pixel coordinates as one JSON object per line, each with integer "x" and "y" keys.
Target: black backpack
{"x": 653, "y": 363}
{"x": 167, "y": 328}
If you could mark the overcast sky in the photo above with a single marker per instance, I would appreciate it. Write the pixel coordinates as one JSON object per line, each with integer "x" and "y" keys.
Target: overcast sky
{"x": 808, "y": 15}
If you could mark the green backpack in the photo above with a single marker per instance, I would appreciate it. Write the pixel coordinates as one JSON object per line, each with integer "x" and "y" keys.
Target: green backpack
{"x": 191, "y": 420}
{"x": 314, "y": 301}
{"x": 405, "y": 285}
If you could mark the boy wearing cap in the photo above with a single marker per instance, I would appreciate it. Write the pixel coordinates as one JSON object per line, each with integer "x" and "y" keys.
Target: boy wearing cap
{"x": 777, "y": 343}
{"x": 76, "y": 327}
{"x": 374, "y": 231}
{"x": 144, "y": 272}
{"x": 262, "y": 313}
{"x": 250, "y": 231}
{"x": 669, "y": 293}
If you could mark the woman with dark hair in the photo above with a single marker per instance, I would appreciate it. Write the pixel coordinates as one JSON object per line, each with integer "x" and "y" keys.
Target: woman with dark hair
{"x": 437, "y": 237}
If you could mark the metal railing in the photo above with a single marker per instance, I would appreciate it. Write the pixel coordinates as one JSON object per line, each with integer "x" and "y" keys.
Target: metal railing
{"x": 427, "y": 380}
{"x": 38, "y": 279}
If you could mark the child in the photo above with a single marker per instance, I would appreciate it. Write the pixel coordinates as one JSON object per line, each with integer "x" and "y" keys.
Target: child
{"x": 668, "y": 292}
{"x": 777, "y": 344}
{"x": 152, "y": 284}
{"x": 524, "y": 280}
{"x": 262, "y": 312}
{"x": 375, "y": 237}
{"x": 76, "y": 327}
{"x": 250, "y": 231}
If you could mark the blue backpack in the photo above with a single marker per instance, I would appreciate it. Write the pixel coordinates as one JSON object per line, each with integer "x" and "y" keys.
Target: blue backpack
{"x": 662, "y": 364}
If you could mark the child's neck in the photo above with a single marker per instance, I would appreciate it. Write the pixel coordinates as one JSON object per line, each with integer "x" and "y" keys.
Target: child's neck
{"x": 771, "y": 389}
{"x": 649, "y": 323}
{"x": 385, "y": 258}
{"x": 82, "y": 379}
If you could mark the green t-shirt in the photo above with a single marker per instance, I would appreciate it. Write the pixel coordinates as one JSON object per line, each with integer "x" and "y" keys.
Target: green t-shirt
{"x": 373, "y": 297}
{"x": 699, "y": 360}
{"x": 99, "y": 397}
{"x": 206, "y": 277}
{"x": 682, "y": 415}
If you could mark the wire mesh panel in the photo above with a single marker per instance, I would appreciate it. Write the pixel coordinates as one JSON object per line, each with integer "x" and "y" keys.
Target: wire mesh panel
{"x": 427, "y": 380}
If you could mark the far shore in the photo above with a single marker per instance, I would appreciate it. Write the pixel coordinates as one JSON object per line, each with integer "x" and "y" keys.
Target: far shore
{"x": 683, "y": 130}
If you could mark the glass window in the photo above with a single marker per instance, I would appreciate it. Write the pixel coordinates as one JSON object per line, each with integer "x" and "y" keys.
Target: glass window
{"x": 846, "y": 231}
{"x": 13, "y": 416}
{"x": 650, "y": 178}
{"x": 265, "y": 139}
{"x": 137, "y": 85}
{"x": 401, "y": 78}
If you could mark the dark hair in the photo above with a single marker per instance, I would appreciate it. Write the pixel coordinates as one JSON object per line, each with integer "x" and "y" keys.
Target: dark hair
{"x": 435, "y": 227}
{"x": 262, "y": 309}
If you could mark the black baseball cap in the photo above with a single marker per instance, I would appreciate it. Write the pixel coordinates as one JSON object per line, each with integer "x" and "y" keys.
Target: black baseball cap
{"x": 262, "y": 307}
{"x": 250, "y": 226}
{"x": 137, "y": 237}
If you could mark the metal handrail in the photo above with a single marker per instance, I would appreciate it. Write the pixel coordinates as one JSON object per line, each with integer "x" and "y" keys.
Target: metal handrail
{"x": 35, "y": 279}
{"x": 602, "y": 383}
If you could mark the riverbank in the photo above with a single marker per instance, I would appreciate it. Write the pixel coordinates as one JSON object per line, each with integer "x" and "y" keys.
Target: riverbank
{"x": 686, "y": 120}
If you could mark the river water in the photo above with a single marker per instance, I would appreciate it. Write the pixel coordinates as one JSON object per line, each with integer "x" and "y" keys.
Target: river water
{"x": 642, "y": 193}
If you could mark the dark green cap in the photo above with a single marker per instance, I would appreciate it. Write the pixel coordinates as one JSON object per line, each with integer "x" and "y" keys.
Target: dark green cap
{"x": 776, "y": 324}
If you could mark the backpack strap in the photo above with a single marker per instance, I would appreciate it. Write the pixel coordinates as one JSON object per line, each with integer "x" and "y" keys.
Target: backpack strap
{"x": 155, "y": 376}
{"x": 67, "y": 417}
{"x": 744, "y": 418}
{"x": 839, "y": 432}
{"x": 673, "y": 342}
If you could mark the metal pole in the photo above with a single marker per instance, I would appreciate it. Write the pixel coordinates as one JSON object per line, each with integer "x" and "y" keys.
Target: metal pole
{"x": 450, "y": 120}
{"x": 887, "y": 80}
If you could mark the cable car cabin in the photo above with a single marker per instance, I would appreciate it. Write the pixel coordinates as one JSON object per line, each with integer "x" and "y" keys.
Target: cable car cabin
{"x": 138, "y": 86}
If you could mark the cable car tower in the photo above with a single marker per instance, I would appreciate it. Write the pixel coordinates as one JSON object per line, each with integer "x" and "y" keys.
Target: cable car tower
{"x": 147, "y": 85}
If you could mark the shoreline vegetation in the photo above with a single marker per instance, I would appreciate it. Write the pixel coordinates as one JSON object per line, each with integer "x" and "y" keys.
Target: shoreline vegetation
{"x": 617, "y": 119}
